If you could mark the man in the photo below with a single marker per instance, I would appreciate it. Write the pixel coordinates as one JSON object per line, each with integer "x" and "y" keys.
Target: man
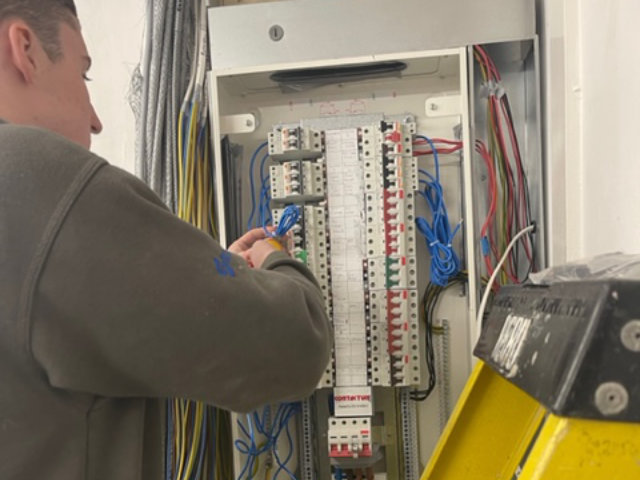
{"x": 109, "y": 303}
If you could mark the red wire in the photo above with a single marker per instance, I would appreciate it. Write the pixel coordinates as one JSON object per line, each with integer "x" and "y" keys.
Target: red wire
{"x": 521, "y": 192}
{"x": 488, "y": 63}
{"x": 457, "y": 145}
{"x": 443, "y": 151}
{"x": 482, "y": 150}
{"x": 513, "y": 215}
{"x": 489, "y": 219}
{"x": 495, "y": 120}
{"x": 481, "y": 59}
{"x": 438, "y": 140}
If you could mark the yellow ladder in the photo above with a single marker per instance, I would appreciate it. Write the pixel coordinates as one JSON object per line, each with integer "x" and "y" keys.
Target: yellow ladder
{"x": 575, "y": 417}
{"x": 499, "y": 432}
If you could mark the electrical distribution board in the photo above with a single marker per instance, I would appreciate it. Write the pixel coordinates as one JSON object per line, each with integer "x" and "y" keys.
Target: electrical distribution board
{"x": 345, "y": 168}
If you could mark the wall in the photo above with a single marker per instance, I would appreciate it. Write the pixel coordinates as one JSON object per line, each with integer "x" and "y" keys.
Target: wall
{"x": 610, "y": 71}
{"x": 592, "y": 64}
{"x": 113, "y": 32}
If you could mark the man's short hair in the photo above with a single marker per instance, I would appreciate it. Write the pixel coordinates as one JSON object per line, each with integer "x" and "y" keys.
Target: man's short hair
{"x": 44, "y": 17}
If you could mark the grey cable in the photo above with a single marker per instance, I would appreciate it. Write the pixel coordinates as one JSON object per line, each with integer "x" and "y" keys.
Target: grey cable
{"x": 156, "y": 11}
{"x": 176, "y": 86}
{"x": 159, "y": 180}
{"x": 157, "y": 88}
{"x": 140, "y": 94}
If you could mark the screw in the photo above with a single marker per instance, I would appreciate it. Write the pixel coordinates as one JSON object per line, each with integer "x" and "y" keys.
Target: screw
{"x": 433, "y": 106}
{"x": 611, "y": 398}
{"x": 276, "y": 32}
{"x": 249, "y": 123}
{"x": 630, "y": 335}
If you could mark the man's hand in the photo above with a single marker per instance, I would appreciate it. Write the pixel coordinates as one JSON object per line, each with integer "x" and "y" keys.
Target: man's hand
{"x": 242, "y": 245}
{"x": 260, "y": 250}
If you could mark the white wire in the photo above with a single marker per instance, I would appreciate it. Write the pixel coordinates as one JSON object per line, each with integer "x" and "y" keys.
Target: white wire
{"x": 487, "y": 290}
{"x": 192, "y": 76}
{"x": 201, "y": 64}
{"x": 201, "y": 51}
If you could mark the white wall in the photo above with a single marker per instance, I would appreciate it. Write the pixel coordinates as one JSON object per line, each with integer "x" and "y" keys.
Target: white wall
{"x": 113, "y": 32}
{"x": 610, "y": 78}
{"x": 592, "y": 107}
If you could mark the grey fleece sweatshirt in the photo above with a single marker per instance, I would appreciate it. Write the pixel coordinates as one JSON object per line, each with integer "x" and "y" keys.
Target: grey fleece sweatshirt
{"x": 109, "y": 304}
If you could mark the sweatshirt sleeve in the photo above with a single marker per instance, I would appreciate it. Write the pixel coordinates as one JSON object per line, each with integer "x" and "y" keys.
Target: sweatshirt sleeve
{"x": 134, "y": 302}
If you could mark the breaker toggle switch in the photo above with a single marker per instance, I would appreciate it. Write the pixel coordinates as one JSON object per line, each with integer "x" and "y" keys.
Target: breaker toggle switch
{"x": 394, "y": 136}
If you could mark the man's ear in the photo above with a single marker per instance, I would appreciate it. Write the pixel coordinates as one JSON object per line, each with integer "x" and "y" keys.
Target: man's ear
{"x": 24, "y": 48}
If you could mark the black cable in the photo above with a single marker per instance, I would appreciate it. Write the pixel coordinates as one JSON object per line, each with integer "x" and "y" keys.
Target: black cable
{"x": 428, "y": 306}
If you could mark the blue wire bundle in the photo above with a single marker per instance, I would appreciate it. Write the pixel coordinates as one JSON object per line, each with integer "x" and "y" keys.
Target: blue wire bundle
{"x": 438, "y": 235}
{"x": 288, "y": 220}
{"x": 291, "y": 213}
{"x": 279, "y": 425}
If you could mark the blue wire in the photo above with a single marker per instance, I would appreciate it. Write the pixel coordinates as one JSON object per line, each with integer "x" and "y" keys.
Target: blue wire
{"x": 265, "y": 194}
{"x": 246, "y": 464}
{"x": 245, "y": 448}
{"x": 290, "y": 215}
{"x": 438, "y": 235}
{"x": 288, "y": 220}
{"x": 264, "y": 213}
{"x": 294, "y": 409}
{"x": 201, "y": 137}
{"x": 185, "y": 130}
{"x": 195, "y": 475}
{"x": 262, "y": 173}
{"x": 262, "y": 420}
{"x": 280, "y": 423}
{"x": 250, "y": 449}
{"x": 282, "y": 465}
{"x": 213, "y": 430}
{"x": 193, "y": 422}
{"x": 251, "y": 182}
{"x": 169, "y": 447}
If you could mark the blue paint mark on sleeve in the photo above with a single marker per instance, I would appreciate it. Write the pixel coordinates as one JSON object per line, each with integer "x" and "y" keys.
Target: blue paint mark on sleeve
{"x": 223, "y": 264}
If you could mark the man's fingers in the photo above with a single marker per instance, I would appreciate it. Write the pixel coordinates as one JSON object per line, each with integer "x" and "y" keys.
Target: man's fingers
{"x": 247, "y": 240}
{"x": 246, "y": 256}
{"x": 261, "y": 250}
{"x": 253, "y": 236}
